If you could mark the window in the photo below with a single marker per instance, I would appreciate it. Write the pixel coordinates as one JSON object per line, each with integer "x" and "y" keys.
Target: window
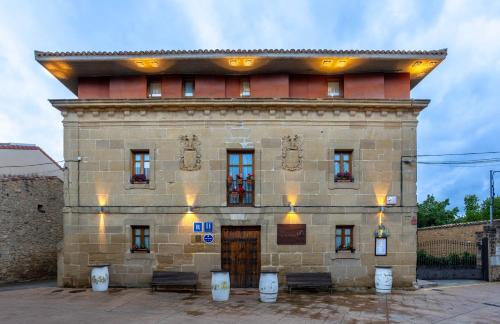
{"x": 140, "y": 239}
{"x": 140, "y": 167}
{"x": 344, "y": 238}
{"x": 245, "y": 88}
{"x": 342, "y": 166}
{"x": 188, "y": 88}
{"x": 333, "y": 89}
{"x": 240, "y": 178}
{"x": 154, "y": 89}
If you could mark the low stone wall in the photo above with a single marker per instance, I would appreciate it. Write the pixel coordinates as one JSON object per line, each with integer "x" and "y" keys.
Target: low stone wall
{"x": 30, "y": 227}
{"x": 463, "y": 232}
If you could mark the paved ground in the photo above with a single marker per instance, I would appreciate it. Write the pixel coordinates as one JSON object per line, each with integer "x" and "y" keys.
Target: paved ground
{"x": 476, "y": 303}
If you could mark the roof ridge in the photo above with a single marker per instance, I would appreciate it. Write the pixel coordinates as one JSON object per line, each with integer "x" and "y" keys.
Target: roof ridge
{"x": 442, "y": 51}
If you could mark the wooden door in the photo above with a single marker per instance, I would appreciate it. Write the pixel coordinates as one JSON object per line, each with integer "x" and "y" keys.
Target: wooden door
{"x": 240, "y": 255}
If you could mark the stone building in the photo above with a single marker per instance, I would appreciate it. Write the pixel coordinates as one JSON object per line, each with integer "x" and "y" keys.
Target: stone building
{"x": 18, "y": 159}
{"x": 287, "y": 156}
{"x": 30, "y": 227}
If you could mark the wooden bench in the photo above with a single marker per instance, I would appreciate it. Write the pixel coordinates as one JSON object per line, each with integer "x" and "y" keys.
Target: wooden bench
{"x": 173, "y": 279}
{"x": 302, "y": 280}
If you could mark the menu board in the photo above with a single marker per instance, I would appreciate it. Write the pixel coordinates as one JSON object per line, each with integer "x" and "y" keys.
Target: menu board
{"x": 381, "y": 246}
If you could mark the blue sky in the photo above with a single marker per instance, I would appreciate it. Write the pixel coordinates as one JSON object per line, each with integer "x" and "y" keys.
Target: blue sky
{"x": 465, "y": 90}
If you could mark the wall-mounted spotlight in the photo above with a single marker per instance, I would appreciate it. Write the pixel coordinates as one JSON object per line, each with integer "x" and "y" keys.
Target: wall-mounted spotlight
{"x": 100, "y": 209}
{"x": 189, "y": 209}
{"x": 382, "y": 208}
{"x": 292, "y": 208}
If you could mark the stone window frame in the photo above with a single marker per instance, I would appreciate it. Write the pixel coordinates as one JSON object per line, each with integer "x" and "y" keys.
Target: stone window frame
{"x": 343, "y": 236}
{"x": 356, "y": 172}
{"x": 356, "y": 243}
{"x": 129, "y": 147}
{"x": 143, "y": 237}
{"x": 128, "y": 223}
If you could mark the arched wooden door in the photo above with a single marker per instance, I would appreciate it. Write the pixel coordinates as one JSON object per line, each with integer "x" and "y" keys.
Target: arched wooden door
{"x": 240, "y": 255}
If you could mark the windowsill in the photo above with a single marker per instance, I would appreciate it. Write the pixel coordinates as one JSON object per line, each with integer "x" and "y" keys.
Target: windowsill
{"x": 139, "y": 251}
{"x": 343, "y": 185}
{"x": 139, "y": 185}
{"x": 139, "y": 182}
{"x": 346, "y": 254}
{"x": 139, "y": 256}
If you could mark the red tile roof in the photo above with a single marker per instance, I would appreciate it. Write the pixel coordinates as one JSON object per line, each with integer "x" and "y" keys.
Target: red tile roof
{"x": 14, "y": 146}
{"x": 439, "y": 52}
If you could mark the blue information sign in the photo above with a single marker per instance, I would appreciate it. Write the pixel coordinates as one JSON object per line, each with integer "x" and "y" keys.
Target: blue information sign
{"x": 208, "y": 238}
{"x": 208, "y": 227}
{"x": 197, "y": 227}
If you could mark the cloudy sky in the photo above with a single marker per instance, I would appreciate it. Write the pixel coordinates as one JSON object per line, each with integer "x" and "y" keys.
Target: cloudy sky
{"x": 463, "y": 116}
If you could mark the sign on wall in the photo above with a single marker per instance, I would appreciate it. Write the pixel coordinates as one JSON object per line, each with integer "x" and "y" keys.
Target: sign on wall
{"x": 291, "y": 234}
{"x": 208, "y": 238}
{"x": 197, "y": 227}
{"x": 208, "y": 227}
{"x": 380, "y": 246}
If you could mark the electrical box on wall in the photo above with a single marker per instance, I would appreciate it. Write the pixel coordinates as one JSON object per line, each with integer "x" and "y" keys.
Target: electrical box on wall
{"x": 391, "y": 200}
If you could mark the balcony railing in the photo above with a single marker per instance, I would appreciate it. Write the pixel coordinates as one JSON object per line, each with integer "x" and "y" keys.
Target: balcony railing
{"x": 240, "y": 192}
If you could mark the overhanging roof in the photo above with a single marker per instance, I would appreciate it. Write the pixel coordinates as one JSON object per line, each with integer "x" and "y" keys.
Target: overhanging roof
{"x": 67, "y": 67}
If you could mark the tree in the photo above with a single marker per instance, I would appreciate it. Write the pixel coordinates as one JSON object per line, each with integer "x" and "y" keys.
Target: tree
{"x": 432, "y": 212}
{"x": 485, "y": 208}
{"x": 472, "y": 209}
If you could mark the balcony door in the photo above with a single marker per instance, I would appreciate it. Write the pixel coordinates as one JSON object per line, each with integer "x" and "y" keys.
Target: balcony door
{"x": 240, "y": 178}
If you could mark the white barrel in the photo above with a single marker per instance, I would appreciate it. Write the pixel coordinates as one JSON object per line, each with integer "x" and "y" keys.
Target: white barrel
{"x": 383, "y": 279}
{"x": 268, "y": 287}
{"x": 99, "y": 278}
{"x": 220, "y": 285}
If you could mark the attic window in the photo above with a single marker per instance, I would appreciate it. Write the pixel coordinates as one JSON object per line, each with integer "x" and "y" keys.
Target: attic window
{"x": 154, "y": 89}
{"x": 333, "y": 89}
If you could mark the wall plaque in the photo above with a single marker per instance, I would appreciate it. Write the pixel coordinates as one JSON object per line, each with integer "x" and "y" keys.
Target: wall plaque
{"x": 291, "y": 234}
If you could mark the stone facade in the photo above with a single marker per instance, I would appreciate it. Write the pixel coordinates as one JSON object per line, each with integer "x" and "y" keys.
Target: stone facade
{"x": 30, "y": 227}
{"x": 492, "y": 234}
{"x": 463, "y": 232}
{"x": 103, "y": 133}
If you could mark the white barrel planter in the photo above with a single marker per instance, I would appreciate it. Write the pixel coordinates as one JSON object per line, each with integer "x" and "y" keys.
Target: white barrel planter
{"x": 221, "y": 285}
{"x": 99, "y": 277}
{"x": 268, "y": 286}
{"x": 383, "y": 279}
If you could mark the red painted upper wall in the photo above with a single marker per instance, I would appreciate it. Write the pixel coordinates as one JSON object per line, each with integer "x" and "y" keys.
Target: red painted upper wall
{"x": 171, "y": 87}
{"x": 269, "y": 86}
{"x": 233, "y": 87}
{"x": 93, "y": 88}
{"x": 364, "y": 86}
{"x": 353, "y": 86}
{"x": 308, "y": 86}
{"x": 128, "y": 87}
{"x": 210, "y": 86}
{"x": 397, "y": 86}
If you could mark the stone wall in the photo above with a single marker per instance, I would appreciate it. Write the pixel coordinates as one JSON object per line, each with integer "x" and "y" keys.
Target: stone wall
{"x": 30, "y": 227}
{"x": 492, "y": 232}
{"x": 378, "y": 132}
{"x": 463, "y": 232}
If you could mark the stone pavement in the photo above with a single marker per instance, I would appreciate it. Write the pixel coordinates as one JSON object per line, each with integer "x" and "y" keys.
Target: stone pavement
{"x": 478, "y": 303}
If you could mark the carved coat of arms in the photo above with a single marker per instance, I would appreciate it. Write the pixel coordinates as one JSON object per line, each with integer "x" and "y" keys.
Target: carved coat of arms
{"x": 291, "y": 152}
{"x": 190, "y": 153}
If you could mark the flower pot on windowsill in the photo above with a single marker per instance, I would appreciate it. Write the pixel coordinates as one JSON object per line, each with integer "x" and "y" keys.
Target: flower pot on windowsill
{"x": 235, "y": 194}
{"x": 344, "y": 177}
{"x": 352, "y": 250}
{"x": 138, "y": 179}
{"x": 139, "y": 251}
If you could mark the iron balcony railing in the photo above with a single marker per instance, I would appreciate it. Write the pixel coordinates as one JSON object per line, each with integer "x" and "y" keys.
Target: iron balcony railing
{"x": 240, "y": 192}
